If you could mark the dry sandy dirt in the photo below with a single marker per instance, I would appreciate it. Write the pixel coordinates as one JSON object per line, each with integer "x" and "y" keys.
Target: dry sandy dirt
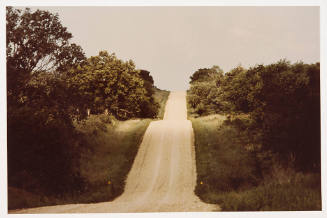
{"x": 163, "y": 175}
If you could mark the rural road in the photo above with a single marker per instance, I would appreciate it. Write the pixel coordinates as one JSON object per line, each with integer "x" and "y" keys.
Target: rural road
{"x": 163, "y": 175}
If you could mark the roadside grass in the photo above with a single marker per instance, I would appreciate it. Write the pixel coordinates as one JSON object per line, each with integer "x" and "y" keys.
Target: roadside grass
{"x": 191, "y": 114}
{"x": 107, "y": 159}
{"x": 161, "y": 97}
{"x": 229, "y": 175}
{"x": 290, "y": 196}
{"x": 107, "y": 155}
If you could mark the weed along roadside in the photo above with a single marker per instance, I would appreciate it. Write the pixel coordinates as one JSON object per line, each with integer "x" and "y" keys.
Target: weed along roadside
{"x": 104, "y": 163}
{"x": 107, "y": 160}
{"x": 228, "y": 175}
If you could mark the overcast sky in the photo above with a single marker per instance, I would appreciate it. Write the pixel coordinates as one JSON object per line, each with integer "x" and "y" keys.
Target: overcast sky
{"x": 173, "y": 42}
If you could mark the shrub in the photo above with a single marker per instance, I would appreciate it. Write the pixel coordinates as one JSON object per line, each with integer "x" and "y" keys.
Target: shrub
{"x": 282, "y": 100}
{"x": 222, "y": 161}
{"x": 291, "y": 196}
{"x": 44, "y": 148}
{"x": 241, "y": 178}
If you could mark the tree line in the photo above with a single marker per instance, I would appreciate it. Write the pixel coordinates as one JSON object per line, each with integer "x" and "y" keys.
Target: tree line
{"x": 279, "y": 103}
{"x": 50, "y": 85}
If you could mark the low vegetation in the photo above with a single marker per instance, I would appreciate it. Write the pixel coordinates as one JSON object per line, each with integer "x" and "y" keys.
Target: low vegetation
{"x": 105, "y": 159}
{"x": 239, "y": 179}
{"x": 161, "y": 96}
{"x": 108, "y": 157}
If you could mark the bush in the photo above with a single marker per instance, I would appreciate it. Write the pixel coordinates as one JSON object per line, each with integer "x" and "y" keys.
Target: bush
{"x": 282, "y": 100}
{"x": 105, "y": 153}
{"x": 45, "y": 149}
{"x": 149, "y": 109}
{"x": 291, "y": 196}
{"x": 223, "y": 163}
{"x": 204, "y": 94}
{"x": 108, "y": 156}
{"x": 160, "y": 97}
{"x": 240, "y": 177}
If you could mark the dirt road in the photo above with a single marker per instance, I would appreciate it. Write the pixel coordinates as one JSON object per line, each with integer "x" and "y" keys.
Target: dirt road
{"x": 163, "y": 175}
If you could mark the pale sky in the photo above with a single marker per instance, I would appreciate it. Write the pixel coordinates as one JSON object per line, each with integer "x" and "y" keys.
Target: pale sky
{"x": 173, "y": 42}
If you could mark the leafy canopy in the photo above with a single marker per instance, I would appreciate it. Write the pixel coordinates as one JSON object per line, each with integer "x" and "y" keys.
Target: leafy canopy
{"x": 37, "y": 42}
{"x": 107, "y": 82}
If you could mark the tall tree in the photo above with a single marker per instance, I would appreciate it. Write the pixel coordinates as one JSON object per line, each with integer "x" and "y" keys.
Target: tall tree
{"x": 41, "y": 138}
{"x": 36, "y": 42}
{"x": 110, "y": 83}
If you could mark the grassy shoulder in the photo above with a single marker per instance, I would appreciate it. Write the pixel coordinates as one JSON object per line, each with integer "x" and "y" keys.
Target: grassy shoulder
{"x": 161, "y": 97}
{"x": 107, "y": 160}
{"x": 230, "y": 174}
{"x": 106, "y": 157}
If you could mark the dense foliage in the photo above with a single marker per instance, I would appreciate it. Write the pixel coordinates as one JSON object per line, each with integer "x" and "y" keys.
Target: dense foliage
{"x": 41, "y": 147}
{"x": 231, "y": 174}
{"x": 204, "y": 94}
{"x": 50, "y": 85}
{"x": 106, "y": 82}
{"x": 36, "y": 43}
{"x": 281, "y": 99}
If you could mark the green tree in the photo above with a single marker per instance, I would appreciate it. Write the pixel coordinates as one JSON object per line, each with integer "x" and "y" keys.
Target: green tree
{"x": 236, "y": 88}
{"x": 282, "y": 100}
{"x": 42, "y": 146}
{"x": 149, "y": 108}
{"x": 204, "y": 95}
{"x": 288, "y": 111}
{"x": 36, "y": 42}
{"x": 110, "y": 83}
{"x": 207, "y": 74}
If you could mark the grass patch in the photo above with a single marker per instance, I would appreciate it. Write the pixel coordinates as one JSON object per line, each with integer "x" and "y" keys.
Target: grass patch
{"x": 108, "y": 158}
{"x": 222, "y": 163}
{"x": 161, "y": 97}
{"x": 292, "y": 196}
{"x": 230, "y": 175}
{"x": 107, "y": 155}
{"x": 191, "y": 114}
